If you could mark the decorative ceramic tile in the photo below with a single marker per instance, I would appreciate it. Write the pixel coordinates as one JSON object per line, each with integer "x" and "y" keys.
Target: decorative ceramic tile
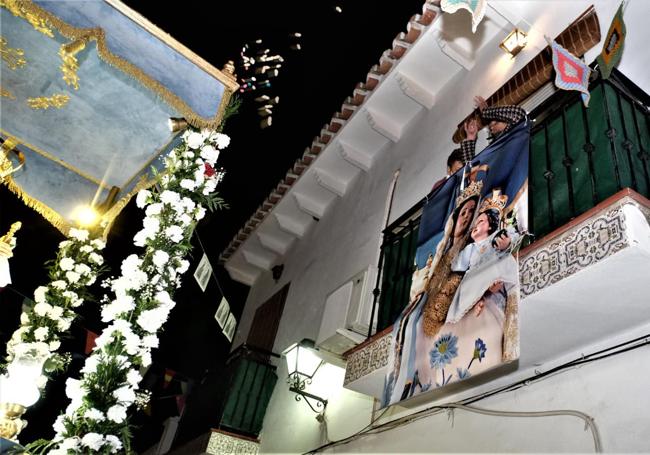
{"x": 585, "y": 244}
{"x": 223, "y": 444}
{"x": 368, "y": 359}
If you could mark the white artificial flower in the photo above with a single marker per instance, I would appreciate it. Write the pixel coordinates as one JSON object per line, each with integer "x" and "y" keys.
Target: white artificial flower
{"x": 194, "y": 140}
{"x": 116, "y": 413}
{"x": 125, "y": 394}
{"x": 94, "y": 414}
{"x": 63, "y": 324}
{"x": 183, "y": 265}
{"x": 75, "y": 301}
{"x": 41, "y": 333}
{"x": 54, "y": 345}
{"x": 170, "y": 197}
{"x": 210, "y": 186}
{"x": 66, "y": 264}
{"x": 130, "y": 265}
{"x": 86, "y": 249}
{"x": 55, "y": 312}
{"x": 64, "y": 244}
{"x": 152, "y": 320}
{"x": 133, "y": 377}
{"x": 59, "y": 284}
{"x": 90, "y": 366}
{"x": 154, "y": 209}
{"x": 74, "y": 389}
{"x": 160, "y": 258}
{"x": 41, "y": 382}
{"x": 42, "y": 308}
{"x": 140, "y": 238}
{"x": 210, "y": 154}
{"x": 188, "y": 204}
{"x": 72, "y": 277}
{"x": 59, "y": 426}
{"x": 24, "y": 318}
{"x": 150, "y": 341}
{"x": 222, "y": 140}
{"x": 164, "y": 300}
{"x": 174, "y": 233}
{"x": 79, "y": 234}
{"x": 82, "y": 269}
{"x": 39, "y": 294}
{"x": 99, "y": 244}
{"x": 199, "y": 176}
{"x": 93, "y": 441}
{"x": 69, "y": 444}
{"x": 188, "y": 184}
{"x": 185, "y": 219}
{"x": 142, "y": 198}
{"x": 96, "y": 258}
{"x": 151, "y": 224}
{"x": 145, "y": 359}
{"x": 200, "y": 213}
{"x": 114, "y": 442}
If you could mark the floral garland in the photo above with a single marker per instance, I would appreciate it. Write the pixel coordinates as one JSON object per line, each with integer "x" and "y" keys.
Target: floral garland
{"x": 96, "y": 419}
{"x": 43, "y": 324}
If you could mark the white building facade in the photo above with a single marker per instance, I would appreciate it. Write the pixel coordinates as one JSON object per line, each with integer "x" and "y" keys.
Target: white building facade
{"x": 376, "y": 160}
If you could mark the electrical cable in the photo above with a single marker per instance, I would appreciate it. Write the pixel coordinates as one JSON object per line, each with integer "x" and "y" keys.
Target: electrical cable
{"x": 598, "y": 355}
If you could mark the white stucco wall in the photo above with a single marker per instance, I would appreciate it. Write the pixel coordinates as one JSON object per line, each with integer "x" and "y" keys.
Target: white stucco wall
{"x": 346, "y": 240}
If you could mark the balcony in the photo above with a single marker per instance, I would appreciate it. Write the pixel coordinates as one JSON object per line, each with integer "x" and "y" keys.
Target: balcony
{"x": 588, "y": 188}
{"x": 250, "y": 381}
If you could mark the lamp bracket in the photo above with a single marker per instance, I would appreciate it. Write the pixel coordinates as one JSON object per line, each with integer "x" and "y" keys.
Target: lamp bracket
{"x": 320, "y": 402}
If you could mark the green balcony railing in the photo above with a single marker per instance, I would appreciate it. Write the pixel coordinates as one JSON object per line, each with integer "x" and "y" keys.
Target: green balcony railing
{"x": 251, "y": 379}
{"x": 578, "y": 158}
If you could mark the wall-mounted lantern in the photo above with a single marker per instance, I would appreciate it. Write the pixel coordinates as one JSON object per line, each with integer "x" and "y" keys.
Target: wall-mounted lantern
{"x": 302, "y": 365}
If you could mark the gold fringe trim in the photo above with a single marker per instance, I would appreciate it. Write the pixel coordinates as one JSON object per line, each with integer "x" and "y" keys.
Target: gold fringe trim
{"x": 128, "y": 68}
{"x": 111, "y": 214}
{"x": 59, "y": 161}
{"x": 46, "y": 212}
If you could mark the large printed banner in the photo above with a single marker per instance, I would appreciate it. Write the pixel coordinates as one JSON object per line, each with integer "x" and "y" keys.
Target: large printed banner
{"x": 462, "y": 317}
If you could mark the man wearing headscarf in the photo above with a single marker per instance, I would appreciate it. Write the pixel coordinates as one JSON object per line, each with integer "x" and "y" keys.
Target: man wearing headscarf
{"x": 499, "y": 119}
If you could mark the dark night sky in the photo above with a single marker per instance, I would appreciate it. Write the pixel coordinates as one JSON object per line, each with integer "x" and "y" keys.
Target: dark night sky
{"x": 338, "y": 50}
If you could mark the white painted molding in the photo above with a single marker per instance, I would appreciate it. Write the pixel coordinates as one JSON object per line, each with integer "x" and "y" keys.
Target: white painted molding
{"x": 416, "y": 91}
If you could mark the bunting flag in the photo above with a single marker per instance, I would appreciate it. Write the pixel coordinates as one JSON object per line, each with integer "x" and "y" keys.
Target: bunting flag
{"x": 613, "y": 46}
{"x": 475, "y": 7}
{"x": 90, "y": 341}
{"x": 571, "y": 73}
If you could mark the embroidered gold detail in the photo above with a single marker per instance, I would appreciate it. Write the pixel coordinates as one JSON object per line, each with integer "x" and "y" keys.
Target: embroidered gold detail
{"x": 6, "y": 94}
{"x": 19, "y": 9}
{"x": 70, "y": 65}
{"x": 27, "y": 7}
{"x": 44, "y": 102}
{"x": 13, "y": 57}
{"x": 6, "y": 166}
